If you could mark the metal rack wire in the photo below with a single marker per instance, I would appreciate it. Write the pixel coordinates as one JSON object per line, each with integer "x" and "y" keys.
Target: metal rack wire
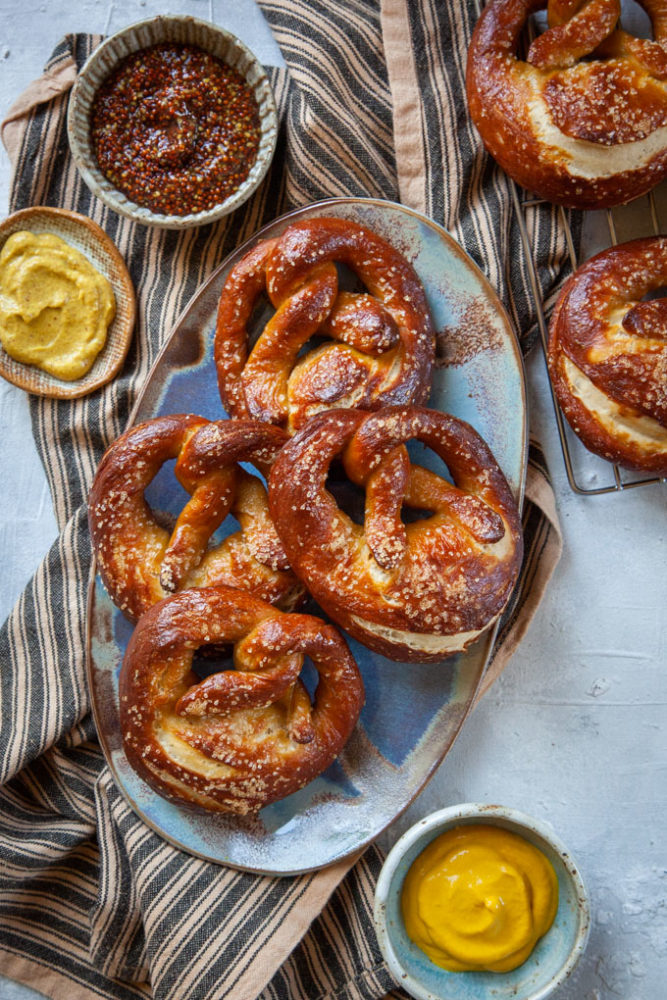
{"x": 585, "y": 463}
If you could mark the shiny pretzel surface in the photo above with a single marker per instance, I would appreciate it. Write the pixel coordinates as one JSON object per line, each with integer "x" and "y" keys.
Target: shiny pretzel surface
{"x": 242, "y": 737}
{"x": 379, "y": 343}
{"x": 142, "y": 559}
{"x": 582, "y": 121}
{"x": 416, "y": 591}
{"x": 608, "y": 354}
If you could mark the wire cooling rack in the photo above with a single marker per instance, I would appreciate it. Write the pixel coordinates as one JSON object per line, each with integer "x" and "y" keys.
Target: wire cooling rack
{"x": 640, "y": 218}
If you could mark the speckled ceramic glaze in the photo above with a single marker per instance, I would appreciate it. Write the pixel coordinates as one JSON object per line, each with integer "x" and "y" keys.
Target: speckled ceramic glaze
{"x": 105, "y": 58}
{"x": 395, "y": 748}
{"x": 552, "y": 959}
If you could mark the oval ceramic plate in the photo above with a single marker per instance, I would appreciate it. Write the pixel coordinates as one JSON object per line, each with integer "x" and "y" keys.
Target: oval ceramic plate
{"x": 89, "y": 239}
{"x": 413, "y": 711}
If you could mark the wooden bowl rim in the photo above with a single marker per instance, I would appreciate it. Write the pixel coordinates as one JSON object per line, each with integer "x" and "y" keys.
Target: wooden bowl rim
{"x": 29, "y": 377}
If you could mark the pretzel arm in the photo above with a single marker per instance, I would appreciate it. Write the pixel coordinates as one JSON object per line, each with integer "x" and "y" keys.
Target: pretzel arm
{"x": 648, "y": 319}
{"x": 426, "y": 491}
{"x": 297, "y": 318}
{"x": 362, "y": 322}
{"x": 567, "y": 41}
{"x": 202, "y": 515}
{"x": 385, "y": 491}
{"x": 245, "y": 283}
{"x": 251, "y": 510}
{"x": 231, "y": 690}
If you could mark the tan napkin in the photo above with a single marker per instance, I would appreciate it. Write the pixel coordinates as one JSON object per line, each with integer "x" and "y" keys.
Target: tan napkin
{"x": 93, "y": 903}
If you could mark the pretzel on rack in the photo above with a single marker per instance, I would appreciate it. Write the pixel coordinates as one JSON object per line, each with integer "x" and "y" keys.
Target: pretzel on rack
{"x": 140, "y": 560}
{"x": 380, "y": 342}
{"x": 608, "y": 354}
{"x": 243, "y": 737}
{"x": 417, "y": 591}
{"x": 583, "y": 120}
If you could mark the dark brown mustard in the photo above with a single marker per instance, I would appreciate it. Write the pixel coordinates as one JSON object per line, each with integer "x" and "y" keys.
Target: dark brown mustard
{"x": 175, "y": 129}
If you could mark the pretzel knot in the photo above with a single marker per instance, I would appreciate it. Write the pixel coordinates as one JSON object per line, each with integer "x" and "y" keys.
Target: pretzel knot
{"x": 416, "y": 591}
{"x": 583, "y": 121}
{"x": 608, "y": 354}
{"x": 244, "y": 737}
{"x": 380, "y": 342}
{"x": 141, "y": 560}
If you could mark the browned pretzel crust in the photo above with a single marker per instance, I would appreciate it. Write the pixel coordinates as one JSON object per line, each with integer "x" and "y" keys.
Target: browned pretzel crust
{"x": 418, "y": 591}
{"x": 140, "y": 560}
{"x": 583, "y": 121}
{"x": 380, "y": 343}
{"x": 241, "y": 738}
{"x": 608, "y": 354}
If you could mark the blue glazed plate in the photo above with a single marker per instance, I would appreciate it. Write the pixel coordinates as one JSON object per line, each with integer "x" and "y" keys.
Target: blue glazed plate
{"x": 413, "y": 712}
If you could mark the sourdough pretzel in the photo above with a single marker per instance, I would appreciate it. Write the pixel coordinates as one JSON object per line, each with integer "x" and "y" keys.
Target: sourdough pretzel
{"x": 140, "y": 560}
{"x": 381, "y": 342}
{"x": 241, "y": 738}
{"x": 418, "y": 591}
{"x": 583, "y": 121}
{"x": 608, "y": 354}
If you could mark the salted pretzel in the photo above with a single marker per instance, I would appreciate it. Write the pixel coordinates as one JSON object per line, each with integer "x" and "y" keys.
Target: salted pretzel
{"x": 412, "y": 591}
{"x": 582, "y": 121}
{"x": 380, "y": 342}
{"x": 141, "y": 559}
{"x": 608, "y": 354}
{"x": 243, "y": 737}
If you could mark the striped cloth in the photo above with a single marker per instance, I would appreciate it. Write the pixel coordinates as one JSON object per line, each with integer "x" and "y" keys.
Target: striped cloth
{"x": 93, "y": 903}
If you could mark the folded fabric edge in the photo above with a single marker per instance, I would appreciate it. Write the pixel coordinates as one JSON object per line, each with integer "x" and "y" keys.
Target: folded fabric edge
{"x": 404, "y": 86}
{"x": 546, "y": 546}
{"x": 52, "y": 83}
{"x": 52, "y": 983}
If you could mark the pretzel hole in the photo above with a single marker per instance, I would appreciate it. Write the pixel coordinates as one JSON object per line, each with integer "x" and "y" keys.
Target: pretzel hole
{"x": 165, "y": 495}
{"x": 411, "y": 514}
{"x": 212, "y": 659}
{"x": 635, "y": 20}
{"x": 349, "y": 497}
{"x": 657, "y": 293}
{"x": 421, "y": 454}
{"x": 309, "y": 677}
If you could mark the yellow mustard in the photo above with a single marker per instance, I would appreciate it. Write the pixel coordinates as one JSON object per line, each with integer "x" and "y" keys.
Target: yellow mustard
{"x": 478, "y": 898}
{"x": 55, "y": 307}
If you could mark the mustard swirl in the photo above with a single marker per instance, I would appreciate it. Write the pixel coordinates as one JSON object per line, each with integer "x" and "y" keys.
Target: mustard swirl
{"x": 478, "y": 898}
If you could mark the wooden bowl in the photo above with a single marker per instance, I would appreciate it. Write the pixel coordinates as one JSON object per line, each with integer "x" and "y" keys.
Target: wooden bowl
{"x": 85, "y": 236}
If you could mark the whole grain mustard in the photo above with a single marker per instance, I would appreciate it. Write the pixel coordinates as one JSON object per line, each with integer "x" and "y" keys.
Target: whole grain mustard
{"x": 55, "y": 306}
{"x": 478, "y": 898}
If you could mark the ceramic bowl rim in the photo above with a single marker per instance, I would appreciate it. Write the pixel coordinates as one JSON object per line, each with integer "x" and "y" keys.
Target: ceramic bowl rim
{"x": 102, "y": 188}
{"x": 442, "y": 820}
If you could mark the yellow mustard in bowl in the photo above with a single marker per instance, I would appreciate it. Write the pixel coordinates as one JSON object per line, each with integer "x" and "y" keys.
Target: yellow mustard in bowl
{"x": 55, "y": 306}
{"x": 479, "y": 898}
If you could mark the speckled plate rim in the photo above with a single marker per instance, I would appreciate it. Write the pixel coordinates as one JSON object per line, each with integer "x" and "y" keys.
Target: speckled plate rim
{"x": 137, "y": 36}
{"x": 477, "y": 812}
{"x": 486, "y": 641}
{"x": 111, "y": 358}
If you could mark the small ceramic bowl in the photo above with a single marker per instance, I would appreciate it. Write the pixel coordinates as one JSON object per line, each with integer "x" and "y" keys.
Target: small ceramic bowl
{"x": 89, "y": 239}
{"x": 552, "y": 959}
{"x": 105, "y": 58}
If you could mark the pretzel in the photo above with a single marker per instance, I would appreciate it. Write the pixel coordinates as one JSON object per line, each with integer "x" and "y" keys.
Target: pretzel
{"x": 140, "y": 560}
{"x": 418, "y": 591}
{"x": 381, "y": 342}
{"x": 608, "y": 354}
{"x": 243, "y": 737}
{"x": 583, "y": 120}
